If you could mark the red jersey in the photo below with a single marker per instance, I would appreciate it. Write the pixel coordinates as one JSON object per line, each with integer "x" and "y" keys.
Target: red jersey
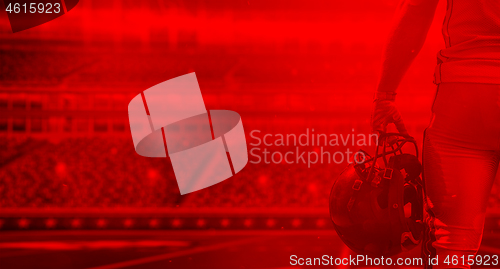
{"x": 471, "y": 31}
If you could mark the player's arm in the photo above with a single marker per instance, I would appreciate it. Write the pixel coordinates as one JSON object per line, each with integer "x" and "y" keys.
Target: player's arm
{"x": 409, "y": 30}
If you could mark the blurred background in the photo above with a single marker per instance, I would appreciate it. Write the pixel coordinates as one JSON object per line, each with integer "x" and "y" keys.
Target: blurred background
{"x": 67, "y": 161}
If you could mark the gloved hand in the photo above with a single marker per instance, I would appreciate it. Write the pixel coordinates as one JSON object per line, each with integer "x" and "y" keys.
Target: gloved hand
{"x": 384, "y": 113}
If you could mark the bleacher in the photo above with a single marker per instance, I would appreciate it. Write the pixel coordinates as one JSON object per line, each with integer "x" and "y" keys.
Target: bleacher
{"x": 100, "y": 172}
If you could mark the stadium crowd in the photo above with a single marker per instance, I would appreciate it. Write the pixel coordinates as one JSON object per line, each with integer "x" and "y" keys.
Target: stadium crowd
{"x": 105, "y": 172}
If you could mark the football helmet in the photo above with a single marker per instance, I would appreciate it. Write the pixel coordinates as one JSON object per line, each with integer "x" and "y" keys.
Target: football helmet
{"x": 376, "y": 204}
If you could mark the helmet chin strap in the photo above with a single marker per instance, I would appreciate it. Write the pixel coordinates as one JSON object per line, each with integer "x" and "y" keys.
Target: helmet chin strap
{"x": 405, "y": 237}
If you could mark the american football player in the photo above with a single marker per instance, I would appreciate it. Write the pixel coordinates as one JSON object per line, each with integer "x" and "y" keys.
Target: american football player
{"x": 461, "y": 149}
